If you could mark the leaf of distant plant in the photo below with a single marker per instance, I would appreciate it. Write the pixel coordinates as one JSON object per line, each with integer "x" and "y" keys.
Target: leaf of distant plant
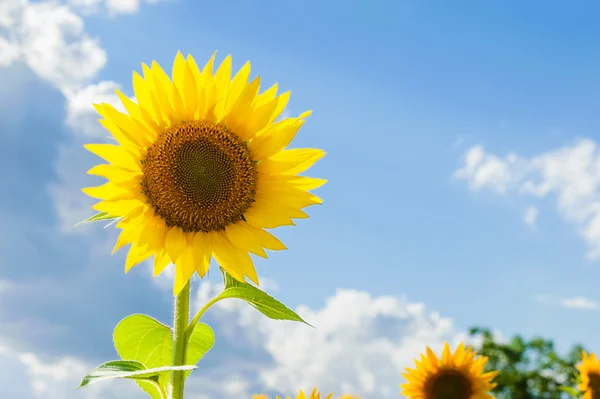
{"x": 96, "y": 218}
{"x": 142, "y": 338}
{"x": 258, "y": 299}
{"x": 133, "y": 370}
{"x": 570, "y": 390}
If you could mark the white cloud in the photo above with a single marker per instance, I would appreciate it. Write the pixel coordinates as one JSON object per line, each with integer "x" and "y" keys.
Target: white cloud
{"x": 50, "y": 39}
{"x": 571, "y": 173}
{"x": 31, "y": 377}
{"x": 579, "y": 302}
{"x": 530, "y": 216}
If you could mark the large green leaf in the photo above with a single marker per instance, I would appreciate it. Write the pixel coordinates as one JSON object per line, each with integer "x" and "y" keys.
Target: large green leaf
{"x": 134, "y": 370}
{"x": 142, "y": 338}
{"x": 258, "y": 299}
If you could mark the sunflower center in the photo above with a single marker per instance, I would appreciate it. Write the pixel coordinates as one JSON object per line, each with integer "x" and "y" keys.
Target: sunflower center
{"x": 594, "y": 385}
{"x": 199, "y": 176}
{"x": 449, "y": 384}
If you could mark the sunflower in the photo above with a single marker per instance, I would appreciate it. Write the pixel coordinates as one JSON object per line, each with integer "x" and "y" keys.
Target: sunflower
{"x": 454, "y": 376}
{"x": 589, "y": 370}
{"x": 314, "y": 395}
{"x": 200, "y": 169}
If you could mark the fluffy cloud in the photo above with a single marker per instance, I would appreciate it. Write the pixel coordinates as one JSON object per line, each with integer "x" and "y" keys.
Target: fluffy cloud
{"x": 570, "y": 173}
{"x": 50, "y": 39}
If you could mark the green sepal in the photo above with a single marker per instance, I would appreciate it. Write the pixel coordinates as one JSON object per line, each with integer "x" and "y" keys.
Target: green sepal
{"x": 96, "y": 218}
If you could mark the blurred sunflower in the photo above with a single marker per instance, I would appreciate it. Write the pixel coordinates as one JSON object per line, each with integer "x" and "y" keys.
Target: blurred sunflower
{"x": 454, "y": 376}
{"x": 589, "y": 370}
{"x": 201, "y": 169}
{"x": 314, "y": 395}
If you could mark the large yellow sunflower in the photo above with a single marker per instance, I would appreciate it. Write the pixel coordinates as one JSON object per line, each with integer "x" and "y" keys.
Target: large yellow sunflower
{"x": 200, "y": 169}
{"x": 314, "y": 395}
{"x": 454, "y": 376}
{"x": 589, "y": 370}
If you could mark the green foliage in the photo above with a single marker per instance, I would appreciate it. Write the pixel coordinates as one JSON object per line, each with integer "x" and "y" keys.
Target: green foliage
{"x": 258, "y": 299}
{"x": 141, "y": 338}
{"x": 529, "y": 369}
{"x": 134, "y": 370}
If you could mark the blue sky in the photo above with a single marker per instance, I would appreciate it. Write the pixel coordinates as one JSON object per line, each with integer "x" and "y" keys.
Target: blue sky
{"x": 403, "y": 92}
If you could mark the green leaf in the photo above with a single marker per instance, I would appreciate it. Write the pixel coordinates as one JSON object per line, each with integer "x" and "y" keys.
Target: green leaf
{"x": 258, "y": 299}
{"x": 133, "y": 370}
{"x": 142, "y": 338}
{"x": 97, "y": 217}
{"x": 201, "y": 341}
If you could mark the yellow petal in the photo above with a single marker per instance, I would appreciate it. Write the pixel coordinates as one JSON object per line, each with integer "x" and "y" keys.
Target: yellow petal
{"x": 113, "y": 173}
{"x": 190, "y": 92}
{"x": 263, "y": 217}
{"x": 136, "y": 132}
{"x": 161, "y": 261}
{"x": 291, "y": 162}
{"x": 184, "y": 270}
{"x": 164, "y": 91}
{"x": 239, "y": 81}
{"x": 175, "y": 243}
{"x": 128, "y": 235}
{"x": 178, "y": 85}
{"x": 136, "y": 255}
{"x": 140, "y": 116}
{"x": 114, "y": 154}
{"x": 108, "y": 191}
{"x": 143, "y": 95}
{"x": 446, "y": 355}
{"x": 237, "y": 119}
{"x": 122, "y": 208}
{"x": 266, "y": 96}
{"x": 236, "y": 262}
{"x": 275, "y": 140}
{"x": 243, "y": 236}
{"x": 269, "y": 241}
{"x": 153, "y": 232}
{"x": 202, "y": 253}
{"x": 222, "y": 78}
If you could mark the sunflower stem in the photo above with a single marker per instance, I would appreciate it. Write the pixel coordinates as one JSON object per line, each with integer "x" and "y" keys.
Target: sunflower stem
{"x": 180, "y": 323}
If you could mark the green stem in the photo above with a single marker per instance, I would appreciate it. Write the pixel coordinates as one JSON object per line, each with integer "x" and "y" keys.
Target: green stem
{"x": 190, "y": 328}
{"x": 180, "y": 323}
